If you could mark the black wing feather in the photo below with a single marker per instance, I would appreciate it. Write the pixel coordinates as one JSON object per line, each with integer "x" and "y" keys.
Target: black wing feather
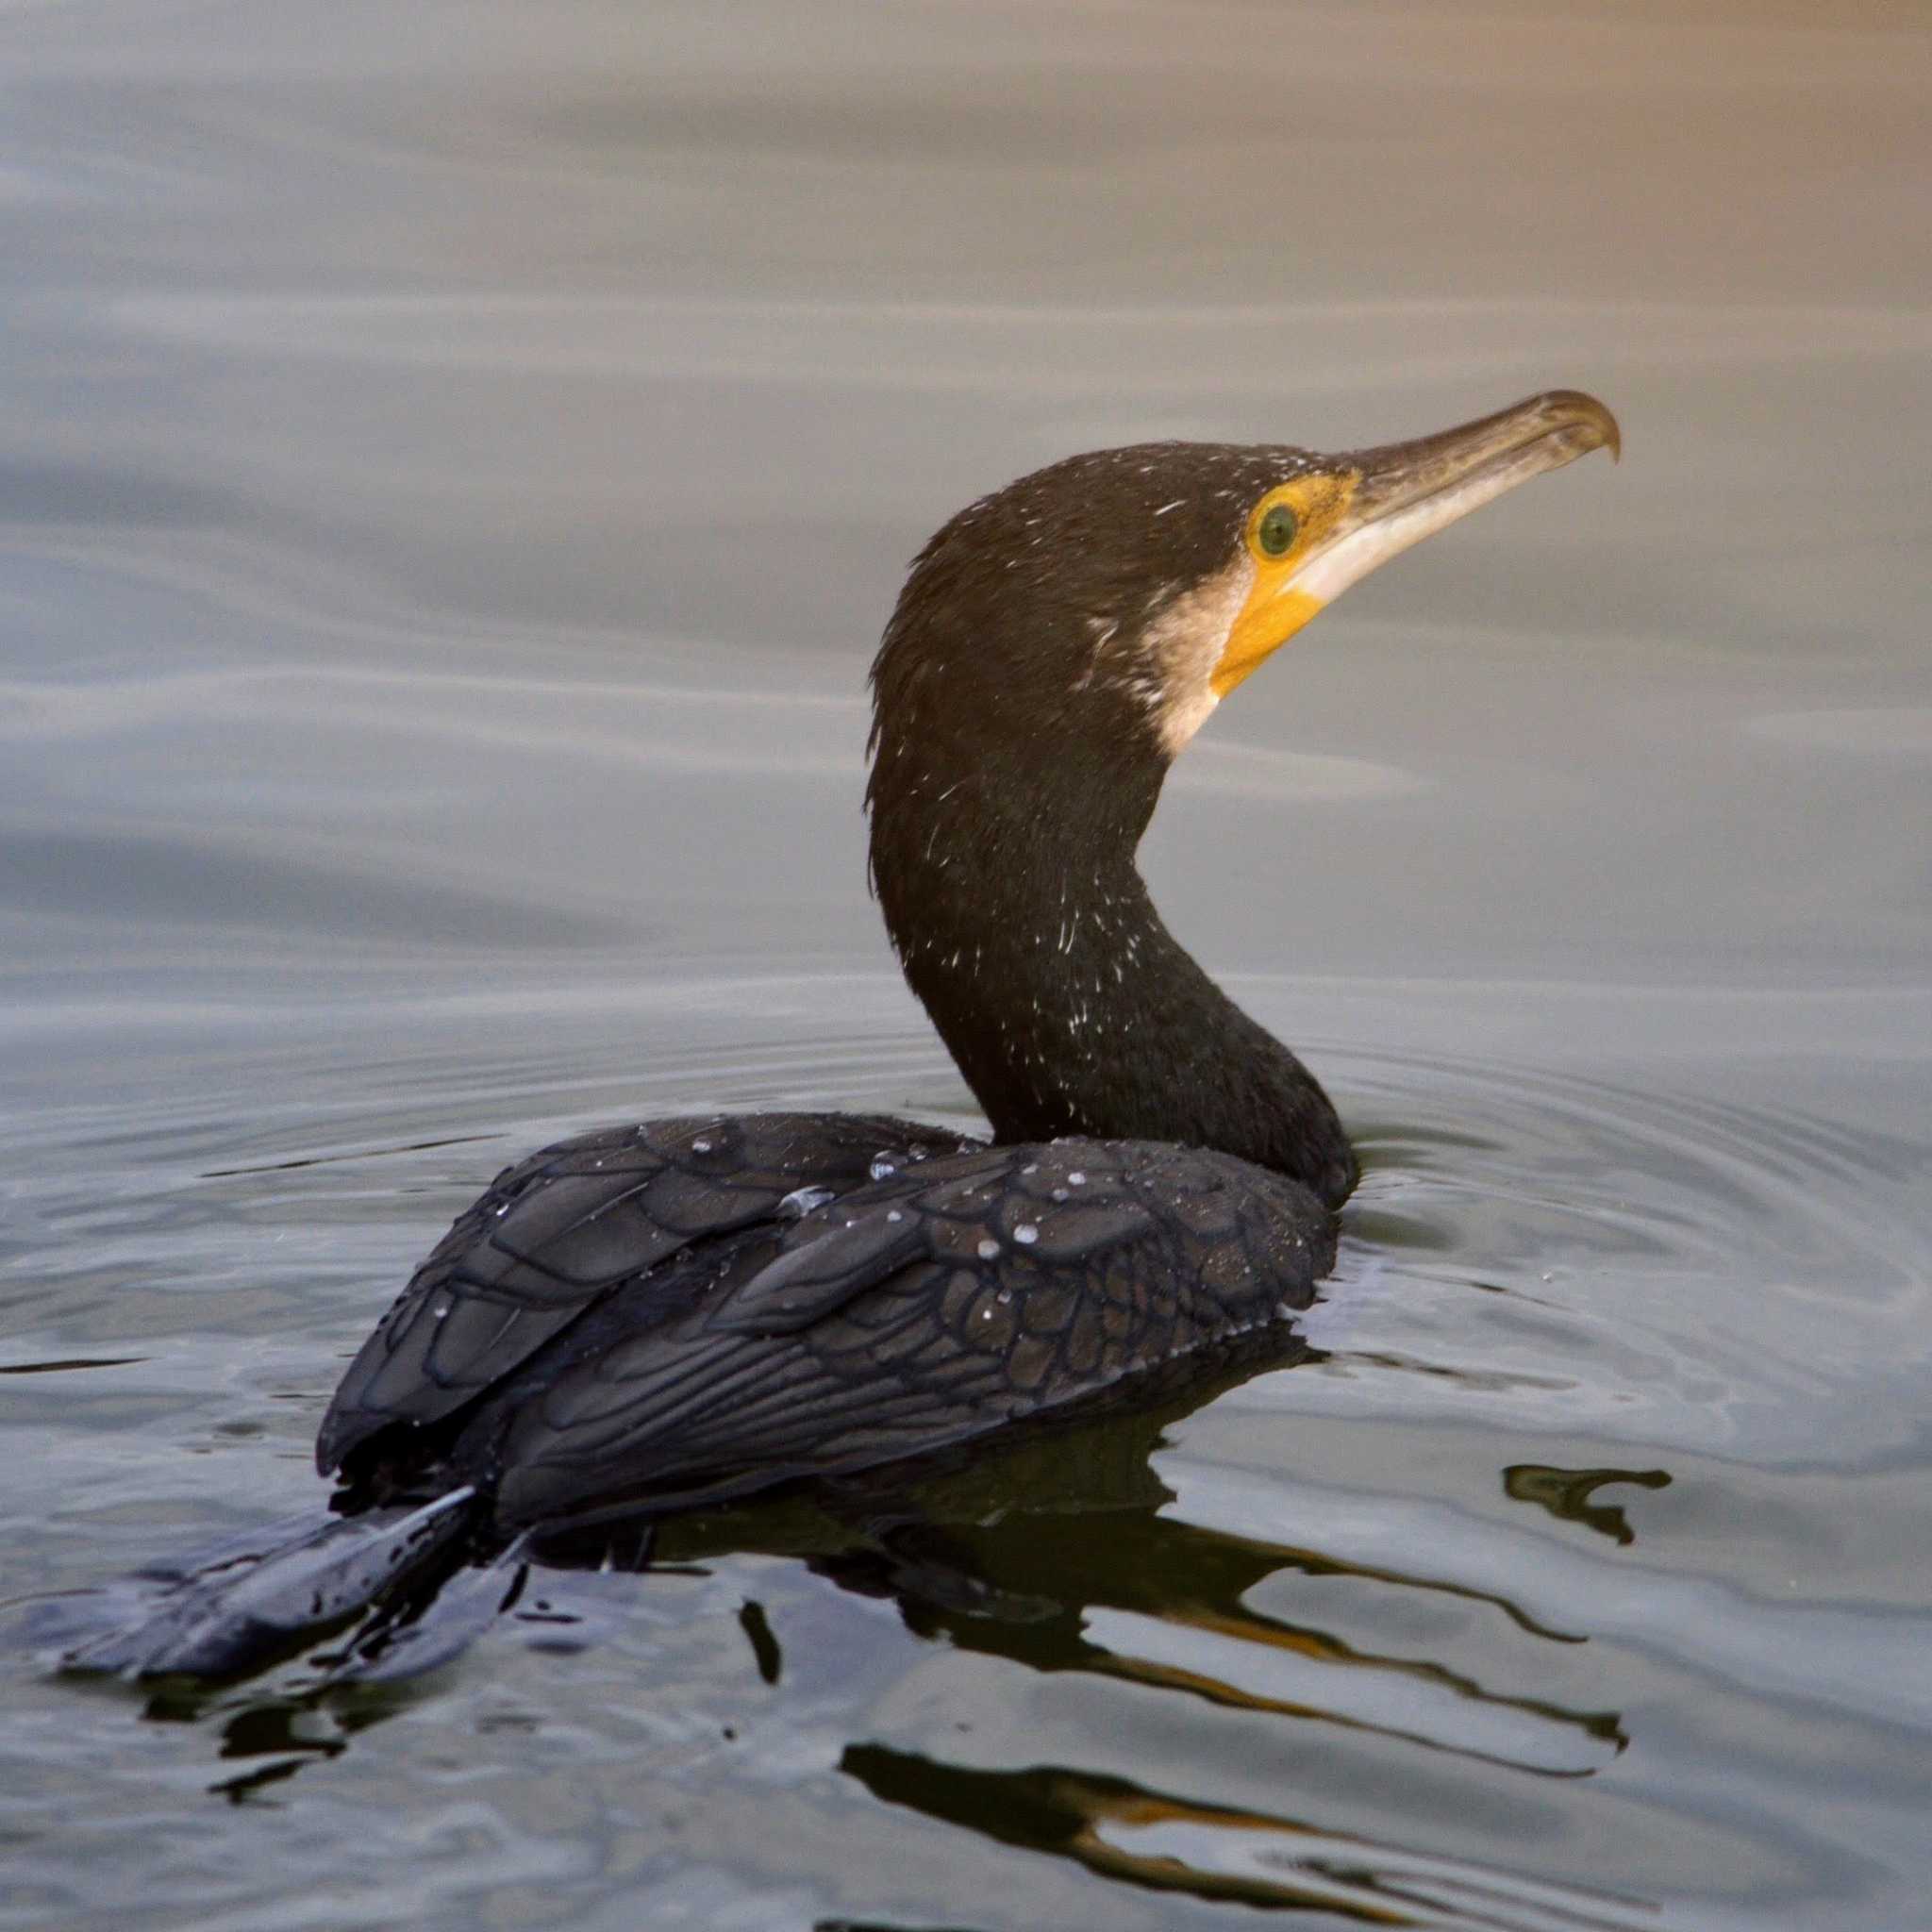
{"x": 909, "y": 1314}
{"x": 559, "y": 1232}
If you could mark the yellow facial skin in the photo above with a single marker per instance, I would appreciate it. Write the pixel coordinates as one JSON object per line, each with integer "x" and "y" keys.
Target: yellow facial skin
{"x": 1354, "y": 512}
{"x": 1276, "y": 609}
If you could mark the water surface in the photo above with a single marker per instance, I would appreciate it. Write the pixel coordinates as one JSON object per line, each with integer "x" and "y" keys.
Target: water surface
{"x": 457, "y": 465}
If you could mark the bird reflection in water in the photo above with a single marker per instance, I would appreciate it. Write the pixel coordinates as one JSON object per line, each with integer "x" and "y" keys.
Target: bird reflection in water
{"x": 1058, "y": 1553}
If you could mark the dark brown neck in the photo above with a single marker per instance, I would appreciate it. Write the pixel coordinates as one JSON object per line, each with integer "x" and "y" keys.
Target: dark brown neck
{"x": 1025, "y": 929}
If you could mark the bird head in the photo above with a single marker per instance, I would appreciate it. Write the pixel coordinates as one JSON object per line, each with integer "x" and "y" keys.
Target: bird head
{"x": 1092, "y": 614}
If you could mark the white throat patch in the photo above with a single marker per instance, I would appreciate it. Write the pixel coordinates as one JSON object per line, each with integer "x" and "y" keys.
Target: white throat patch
{"x": 1184, "y": 644}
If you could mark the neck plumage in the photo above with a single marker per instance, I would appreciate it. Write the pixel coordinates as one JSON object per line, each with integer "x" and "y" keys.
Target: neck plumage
{"x": 1027, "y": 932}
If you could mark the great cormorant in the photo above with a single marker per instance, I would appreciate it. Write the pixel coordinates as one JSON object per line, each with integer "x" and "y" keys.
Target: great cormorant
{"x": 652, "y": 1318}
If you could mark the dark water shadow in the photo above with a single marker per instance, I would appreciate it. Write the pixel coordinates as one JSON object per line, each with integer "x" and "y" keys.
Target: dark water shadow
{"x": 1055, "y": 1551}
{"x": 1019, "y": 1553}
{"x": 1054, "y": 1555}
{"x": 1160, "y": 1841}
{"x": 1569, "y": 1495}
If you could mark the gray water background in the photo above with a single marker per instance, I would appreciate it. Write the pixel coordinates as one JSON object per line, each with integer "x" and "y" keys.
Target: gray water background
{"x": 456, "y": 460}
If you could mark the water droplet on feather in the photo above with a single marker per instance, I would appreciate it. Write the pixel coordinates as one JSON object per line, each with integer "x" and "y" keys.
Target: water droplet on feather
{"x": 801, "y": 1201}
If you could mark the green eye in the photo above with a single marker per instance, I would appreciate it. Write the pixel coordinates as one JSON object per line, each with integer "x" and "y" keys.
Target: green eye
{"x": 1275, "y": 533}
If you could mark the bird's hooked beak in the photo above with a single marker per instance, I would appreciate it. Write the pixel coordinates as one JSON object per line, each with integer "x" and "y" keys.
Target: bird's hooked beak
{"x": 1363, "y": 508}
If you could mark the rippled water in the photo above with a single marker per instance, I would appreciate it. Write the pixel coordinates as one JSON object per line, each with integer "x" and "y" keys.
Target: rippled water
{"x": 457, "y": 465}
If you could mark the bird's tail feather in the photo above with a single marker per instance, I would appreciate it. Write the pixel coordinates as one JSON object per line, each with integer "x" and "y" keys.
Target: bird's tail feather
{"x": 426, "y": 1628}
{"x": 258, "y": 1596}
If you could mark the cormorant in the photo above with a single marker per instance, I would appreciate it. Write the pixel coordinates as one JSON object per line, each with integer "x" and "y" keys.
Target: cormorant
{"x": 652, "y": 1318}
